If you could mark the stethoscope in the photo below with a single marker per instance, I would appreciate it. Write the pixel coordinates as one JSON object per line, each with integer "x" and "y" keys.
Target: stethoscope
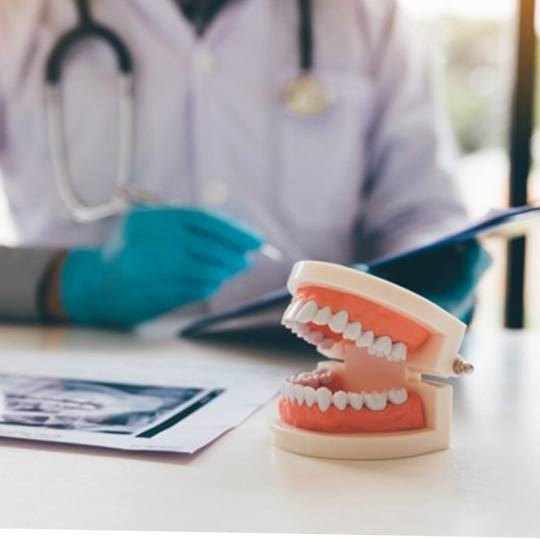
{"x": 304, "y": 96}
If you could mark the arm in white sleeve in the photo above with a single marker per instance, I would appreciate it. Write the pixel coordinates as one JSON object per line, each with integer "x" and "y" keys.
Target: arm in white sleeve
{"x": 410, "y": 194}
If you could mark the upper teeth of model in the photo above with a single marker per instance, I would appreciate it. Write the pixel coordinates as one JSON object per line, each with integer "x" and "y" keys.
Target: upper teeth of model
{"x": 299, "y": 314}
{"x": 324, "y": 398}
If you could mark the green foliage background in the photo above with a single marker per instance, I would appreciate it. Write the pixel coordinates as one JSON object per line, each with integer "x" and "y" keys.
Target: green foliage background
{"x": 478, "y": 70}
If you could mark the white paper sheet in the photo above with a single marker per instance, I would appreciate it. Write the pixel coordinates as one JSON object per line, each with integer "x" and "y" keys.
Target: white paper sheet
{"x": 177, "y": 409}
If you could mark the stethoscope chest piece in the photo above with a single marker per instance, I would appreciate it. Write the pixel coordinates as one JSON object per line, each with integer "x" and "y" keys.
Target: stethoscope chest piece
{"x": 305, "y": 96}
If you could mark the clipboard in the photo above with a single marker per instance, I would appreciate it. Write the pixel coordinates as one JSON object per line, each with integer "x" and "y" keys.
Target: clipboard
{"x": 267, "y": 309}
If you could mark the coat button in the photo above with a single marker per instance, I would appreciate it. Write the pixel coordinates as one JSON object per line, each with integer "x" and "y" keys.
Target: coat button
{"x": 204, "y": 61}
{"x": 214, "y": 192}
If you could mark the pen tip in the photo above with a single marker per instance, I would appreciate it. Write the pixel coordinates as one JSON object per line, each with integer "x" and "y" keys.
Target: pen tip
{"x": 271, "y": 252}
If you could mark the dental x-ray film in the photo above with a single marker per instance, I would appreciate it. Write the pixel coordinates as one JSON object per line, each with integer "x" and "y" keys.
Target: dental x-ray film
{"x": 90, "y": 406}
{"x": 183, "y": 415}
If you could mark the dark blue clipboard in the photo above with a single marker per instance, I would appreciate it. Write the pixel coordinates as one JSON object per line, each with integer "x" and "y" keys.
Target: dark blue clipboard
{"x": 506, "y": 223}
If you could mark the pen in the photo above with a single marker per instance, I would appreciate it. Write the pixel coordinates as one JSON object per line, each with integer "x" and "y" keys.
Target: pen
{"x": 139, "y": 196}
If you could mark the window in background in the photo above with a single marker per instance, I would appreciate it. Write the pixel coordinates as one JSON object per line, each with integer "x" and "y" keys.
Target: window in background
{"x": 475, "y": 45}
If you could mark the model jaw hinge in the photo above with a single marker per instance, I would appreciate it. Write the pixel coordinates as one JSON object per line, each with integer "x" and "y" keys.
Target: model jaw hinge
{"x": 462, "y": 367}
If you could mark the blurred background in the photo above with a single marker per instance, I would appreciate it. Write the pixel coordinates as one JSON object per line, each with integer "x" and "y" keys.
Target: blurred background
{"x": 474, "y": 44}
{"x": 475, "y": 47}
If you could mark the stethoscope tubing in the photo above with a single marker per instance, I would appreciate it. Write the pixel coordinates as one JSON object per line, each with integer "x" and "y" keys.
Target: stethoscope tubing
{"x": 118, "y": 203}
{"x": 305, "y": 35}
{"x": 89, "y": 29}
{"x": 86, "y": 29}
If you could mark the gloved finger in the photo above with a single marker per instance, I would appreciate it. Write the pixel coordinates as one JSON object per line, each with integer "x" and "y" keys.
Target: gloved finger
{"x": 197, "y": 270}
{"x": 203, "y": 248}
{"x": 161, "y": 227}
{"x": 211, "y": 251}
{"x": 155, "y": 222}
{"x": 196, "y": 246}
{"x": 141, "y": 263}
{"x": 158, "y": 261}
{"x": 223, "y": 229}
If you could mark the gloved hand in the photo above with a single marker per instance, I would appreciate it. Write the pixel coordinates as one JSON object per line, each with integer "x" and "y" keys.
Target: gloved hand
{"x": 446, "y": 276}
{"x": 158, "y": 259}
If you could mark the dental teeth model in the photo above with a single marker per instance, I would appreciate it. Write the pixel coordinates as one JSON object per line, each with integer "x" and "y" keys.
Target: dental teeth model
{"x": 367, "y": 400}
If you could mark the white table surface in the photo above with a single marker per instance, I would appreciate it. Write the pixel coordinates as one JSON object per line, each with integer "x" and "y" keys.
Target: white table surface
{"x": 487, "y": 484}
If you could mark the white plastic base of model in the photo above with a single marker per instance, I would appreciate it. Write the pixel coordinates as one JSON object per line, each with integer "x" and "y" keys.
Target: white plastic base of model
{"x": 356, "y": 446}
{"x": 437, "y": 400}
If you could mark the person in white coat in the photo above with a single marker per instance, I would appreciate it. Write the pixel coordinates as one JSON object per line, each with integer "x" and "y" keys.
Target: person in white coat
{"x": 215, "y": 141}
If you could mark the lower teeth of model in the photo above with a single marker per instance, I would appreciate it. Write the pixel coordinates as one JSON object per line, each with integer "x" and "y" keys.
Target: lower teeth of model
{"x": 324, "y": 398}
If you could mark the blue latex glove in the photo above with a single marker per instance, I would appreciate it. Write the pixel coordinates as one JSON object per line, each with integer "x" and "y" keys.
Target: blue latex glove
{"x": 446, "y": 276}
{"x": 158, "y": 259}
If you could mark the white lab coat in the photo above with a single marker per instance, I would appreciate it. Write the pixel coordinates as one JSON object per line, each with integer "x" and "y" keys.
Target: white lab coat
{"x": 370, "y": 176}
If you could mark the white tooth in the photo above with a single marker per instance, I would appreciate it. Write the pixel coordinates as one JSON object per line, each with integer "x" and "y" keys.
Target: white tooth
{"x": 324, "y": 398}
{"x": 309, "y": 396}
{"x": 324, "y": 376}
{"x": 326, "y": 344}
{"x": 292, "y": 309}
{"x": 289, "y": 391}
{"x": 323, "y": 316}
{"x": 352, "y": 331}
{"x": 296, "y": 306}
{"x": 382, "y": 345}
{"x": 296, "y": 314}
{"x": 340, "y": 400}
{"x": 315, "y": 337}
{"x": 399, "y": 352}
{"x": 356, "y": 400}
{"x": 303, "y": 330}
{"x": 366, "y": 339}
{"x": 300, "y": 330}
{"x": 375, "y": 401}
{"x": 287, "y": 314}
{"x": 307, "y": 312}
{"x": 338, "y": 322}
{"x": 375, "y": 352}
{"x": 299, "y": 393}
{"x": 302, "y": 376}
{"x": 397, "y": 396}
{"x": 294, "y": 327}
